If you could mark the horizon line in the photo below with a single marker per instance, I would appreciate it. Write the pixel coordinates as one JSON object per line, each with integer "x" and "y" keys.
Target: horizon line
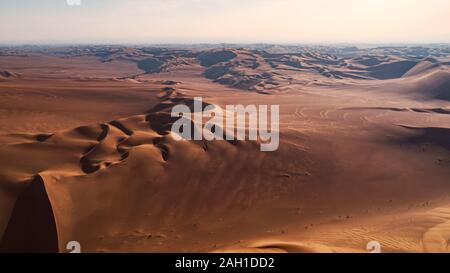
{"x": 214, "y": 43}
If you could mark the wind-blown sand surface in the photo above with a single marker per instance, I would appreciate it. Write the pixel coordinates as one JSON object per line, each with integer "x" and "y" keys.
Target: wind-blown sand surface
{"x": 86, "y": 154}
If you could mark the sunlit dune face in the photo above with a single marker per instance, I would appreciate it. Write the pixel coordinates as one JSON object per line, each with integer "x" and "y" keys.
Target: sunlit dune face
{"x": 226, "y": 21}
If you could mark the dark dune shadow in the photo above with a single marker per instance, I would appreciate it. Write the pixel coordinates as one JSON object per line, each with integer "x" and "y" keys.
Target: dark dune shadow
{"x": 32, "y": 226}
{"x": 432, "y": 135}
{"x": 391, "y": 70}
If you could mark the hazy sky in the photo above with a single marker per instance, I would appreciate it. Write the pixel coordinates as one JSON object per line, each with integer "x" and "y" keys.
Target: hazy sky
{"x": 191, "y": 21}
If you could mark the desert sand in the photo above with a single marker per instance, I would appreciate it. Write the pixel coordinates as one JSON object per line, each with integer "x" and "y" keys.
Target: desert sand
{"x": 86, "y": 154}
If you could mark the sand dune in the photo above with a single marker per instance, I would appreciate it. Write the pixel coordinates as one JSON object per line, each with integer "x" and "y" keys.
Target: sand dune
{"x": 253, "y": 70}
{"x": 364, "y": 152}
{"x": 247, "y": 71}
{"x": 32, "y": 227}
{"x": 150, "y": 65}
{"x": 211, "y": 58}
{"x": 423, "y": 67}
{"x": 391, "y": 70}
{"x": 433, "y": 85}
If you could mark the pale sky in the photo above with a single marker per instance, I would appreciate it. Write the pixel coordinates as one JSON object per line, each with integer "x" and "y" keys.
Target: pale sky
{"x": 233, "y": 21}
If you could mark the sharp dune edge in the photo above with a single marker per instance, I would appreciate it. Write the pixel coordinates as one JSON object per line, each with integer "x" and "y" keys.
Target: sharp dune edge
{"x": 86, "y": 152}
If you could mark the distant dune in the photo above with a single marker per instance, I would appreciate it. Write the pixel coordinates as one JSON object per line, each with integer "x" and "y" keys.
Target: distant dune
{"x": 422, "y": 67}
{"x": 435, "y": 84}
{"x": 392, "y": 70}
{"x": 150, "y": 65}
{"x": 214, "y": 57}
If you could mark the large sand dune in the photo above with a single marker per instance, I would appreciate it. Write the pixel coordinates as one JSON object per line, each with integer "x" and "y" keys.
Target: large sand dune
{"x": 86, "y": 152}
